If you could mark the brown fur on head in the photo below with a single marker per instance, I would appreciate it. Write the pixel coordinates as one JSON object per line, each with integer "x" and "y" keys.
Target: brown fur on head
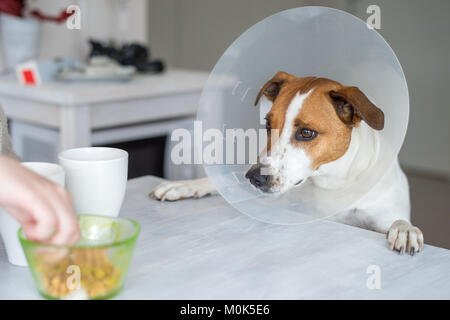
{"x": 330, "y": 111}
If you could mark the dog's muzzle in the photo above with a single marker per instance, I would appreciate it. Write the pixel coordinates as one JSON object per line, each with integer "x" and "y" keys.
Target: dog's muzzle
{"x": 262, "y": 182}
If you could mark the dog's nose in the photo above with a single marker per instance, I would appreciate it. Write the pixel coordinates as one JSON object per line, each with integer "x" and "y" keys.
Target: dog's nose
{"x": 256, "y": 178}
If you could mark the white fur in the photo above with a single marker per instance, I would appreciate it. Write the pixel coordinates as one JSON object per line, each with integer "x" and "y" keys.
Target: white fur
{"x": 177, "y": 190}
{"x": 288, "y": 165}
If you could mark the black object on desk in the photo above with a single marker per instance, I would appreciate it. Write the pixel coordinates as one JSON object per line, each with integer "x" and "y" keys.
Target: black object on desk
{"x": 132, "y": 54}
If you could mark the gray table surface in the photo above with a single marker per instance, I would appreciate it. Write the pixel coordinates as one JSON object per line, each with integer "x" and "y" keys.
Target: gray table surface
{"x": 205, "y": 249}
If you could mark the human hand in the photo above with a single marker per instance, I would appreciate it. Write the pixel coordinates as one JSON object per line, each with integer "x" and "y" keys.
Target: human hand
{"x": 43, "y": 208}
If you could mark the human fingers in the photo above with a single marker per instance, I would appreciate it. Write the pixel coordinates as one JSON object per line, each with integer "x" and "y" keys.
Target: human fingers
{"x": 67, "y": 232}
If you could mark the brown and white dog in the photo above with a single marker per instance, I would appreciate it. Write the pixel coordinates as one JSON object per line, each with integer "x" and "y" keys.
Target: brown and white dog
{"x": 328, "y": 134}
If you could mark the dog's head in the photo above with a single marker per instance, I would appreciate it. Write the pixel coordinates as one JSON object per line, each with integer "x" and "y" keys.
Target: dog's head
{"x": 312, "y": 119}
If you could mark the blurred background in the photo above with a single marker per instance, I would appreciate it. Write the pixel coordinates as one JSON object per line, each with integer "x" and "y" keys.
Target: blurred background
{"x": 191, "y": 35}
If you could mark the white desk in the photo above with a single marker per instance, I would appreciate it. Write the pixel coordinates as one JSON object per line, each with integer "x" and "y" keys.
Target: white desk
{"x": 78, "y": 114}
{"x": 204, "y": 249}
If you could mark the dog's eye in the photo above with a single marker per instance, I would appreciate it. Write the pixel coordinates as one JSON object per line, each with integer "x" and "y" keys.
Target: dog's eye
{"x": 268, "y": 127}
{"x": 305, "y": 134}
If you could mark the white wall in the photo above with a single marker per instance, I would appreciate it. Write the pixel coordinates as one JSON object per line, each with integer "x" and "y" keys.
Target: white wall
{"x": 98, "y": 20}
{"x": 194, "y": 34}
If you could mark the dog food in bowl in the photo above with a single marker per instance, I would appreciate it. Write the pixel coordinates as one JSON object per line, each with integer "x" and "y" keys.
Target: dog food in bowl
{"x": 95, "y": 268}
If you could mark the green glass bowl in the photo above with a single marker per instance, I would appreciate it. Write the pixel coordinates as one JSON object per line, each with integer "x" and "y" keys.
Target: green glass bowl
{"x": 95, "y": 268}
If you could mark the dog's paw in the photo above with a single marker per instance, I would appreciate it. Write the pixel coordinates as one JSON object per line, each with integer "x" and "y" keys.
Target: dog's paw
{"x": 402, "y": 236}
{"x": 179, "y": 190}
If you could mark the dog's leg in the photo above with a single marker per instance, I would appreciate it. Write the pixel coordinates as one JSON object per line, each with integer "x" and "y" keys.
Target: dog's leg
{"x": 386, "y": 209}
{"x": 178, "y": 190}
{"x": 403, "y": 236}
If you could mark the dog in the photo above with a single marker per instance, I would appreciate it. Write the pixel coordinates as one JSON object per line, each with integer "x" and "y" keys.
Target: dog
{"x": 328, "y": 134}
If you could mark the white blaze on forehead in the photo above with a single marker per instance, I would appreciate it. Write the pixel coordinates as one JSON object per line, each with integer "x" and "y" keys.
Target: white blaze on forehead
{"x": 293, "y": 110}
{"x": 289, "y": 164}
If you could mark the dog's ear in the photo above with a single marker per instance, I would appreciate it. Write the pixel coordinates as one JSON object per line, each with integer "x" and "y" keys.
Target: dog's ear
{"x": 272, "y": 87}
{"x": 352, "y": 106}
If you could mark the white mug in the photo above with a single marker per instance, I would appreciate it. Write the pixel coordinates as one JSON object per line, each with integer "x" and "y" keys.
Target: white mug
{"x": 9, "y": 226}
{"x": 96, "y": 178}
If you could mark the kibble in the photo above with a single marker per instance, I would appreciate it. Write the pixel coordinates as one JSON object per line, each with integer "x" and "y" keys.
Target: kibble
{"x": 98, "y": 275}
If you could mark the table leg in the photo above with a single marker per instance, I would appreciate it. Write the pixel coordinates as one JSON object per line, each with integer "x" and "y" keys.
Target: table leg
{"x": 75, "y": 129}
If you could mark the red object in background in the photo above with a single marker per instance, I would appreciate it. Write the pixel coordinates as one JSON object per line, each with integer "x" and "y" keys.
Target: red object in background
{"x": 13, "y": 7}
{"x": 16, "y": 7}
{"x": 28, "y": 77}
{"x": 43, "y": 17}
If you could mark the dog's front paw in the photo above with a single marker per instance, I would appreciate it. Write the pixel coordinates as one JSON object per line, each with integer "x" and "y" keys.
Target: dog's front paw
{"x": 403, "y": 236}
{"x": 179, "y": 190}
